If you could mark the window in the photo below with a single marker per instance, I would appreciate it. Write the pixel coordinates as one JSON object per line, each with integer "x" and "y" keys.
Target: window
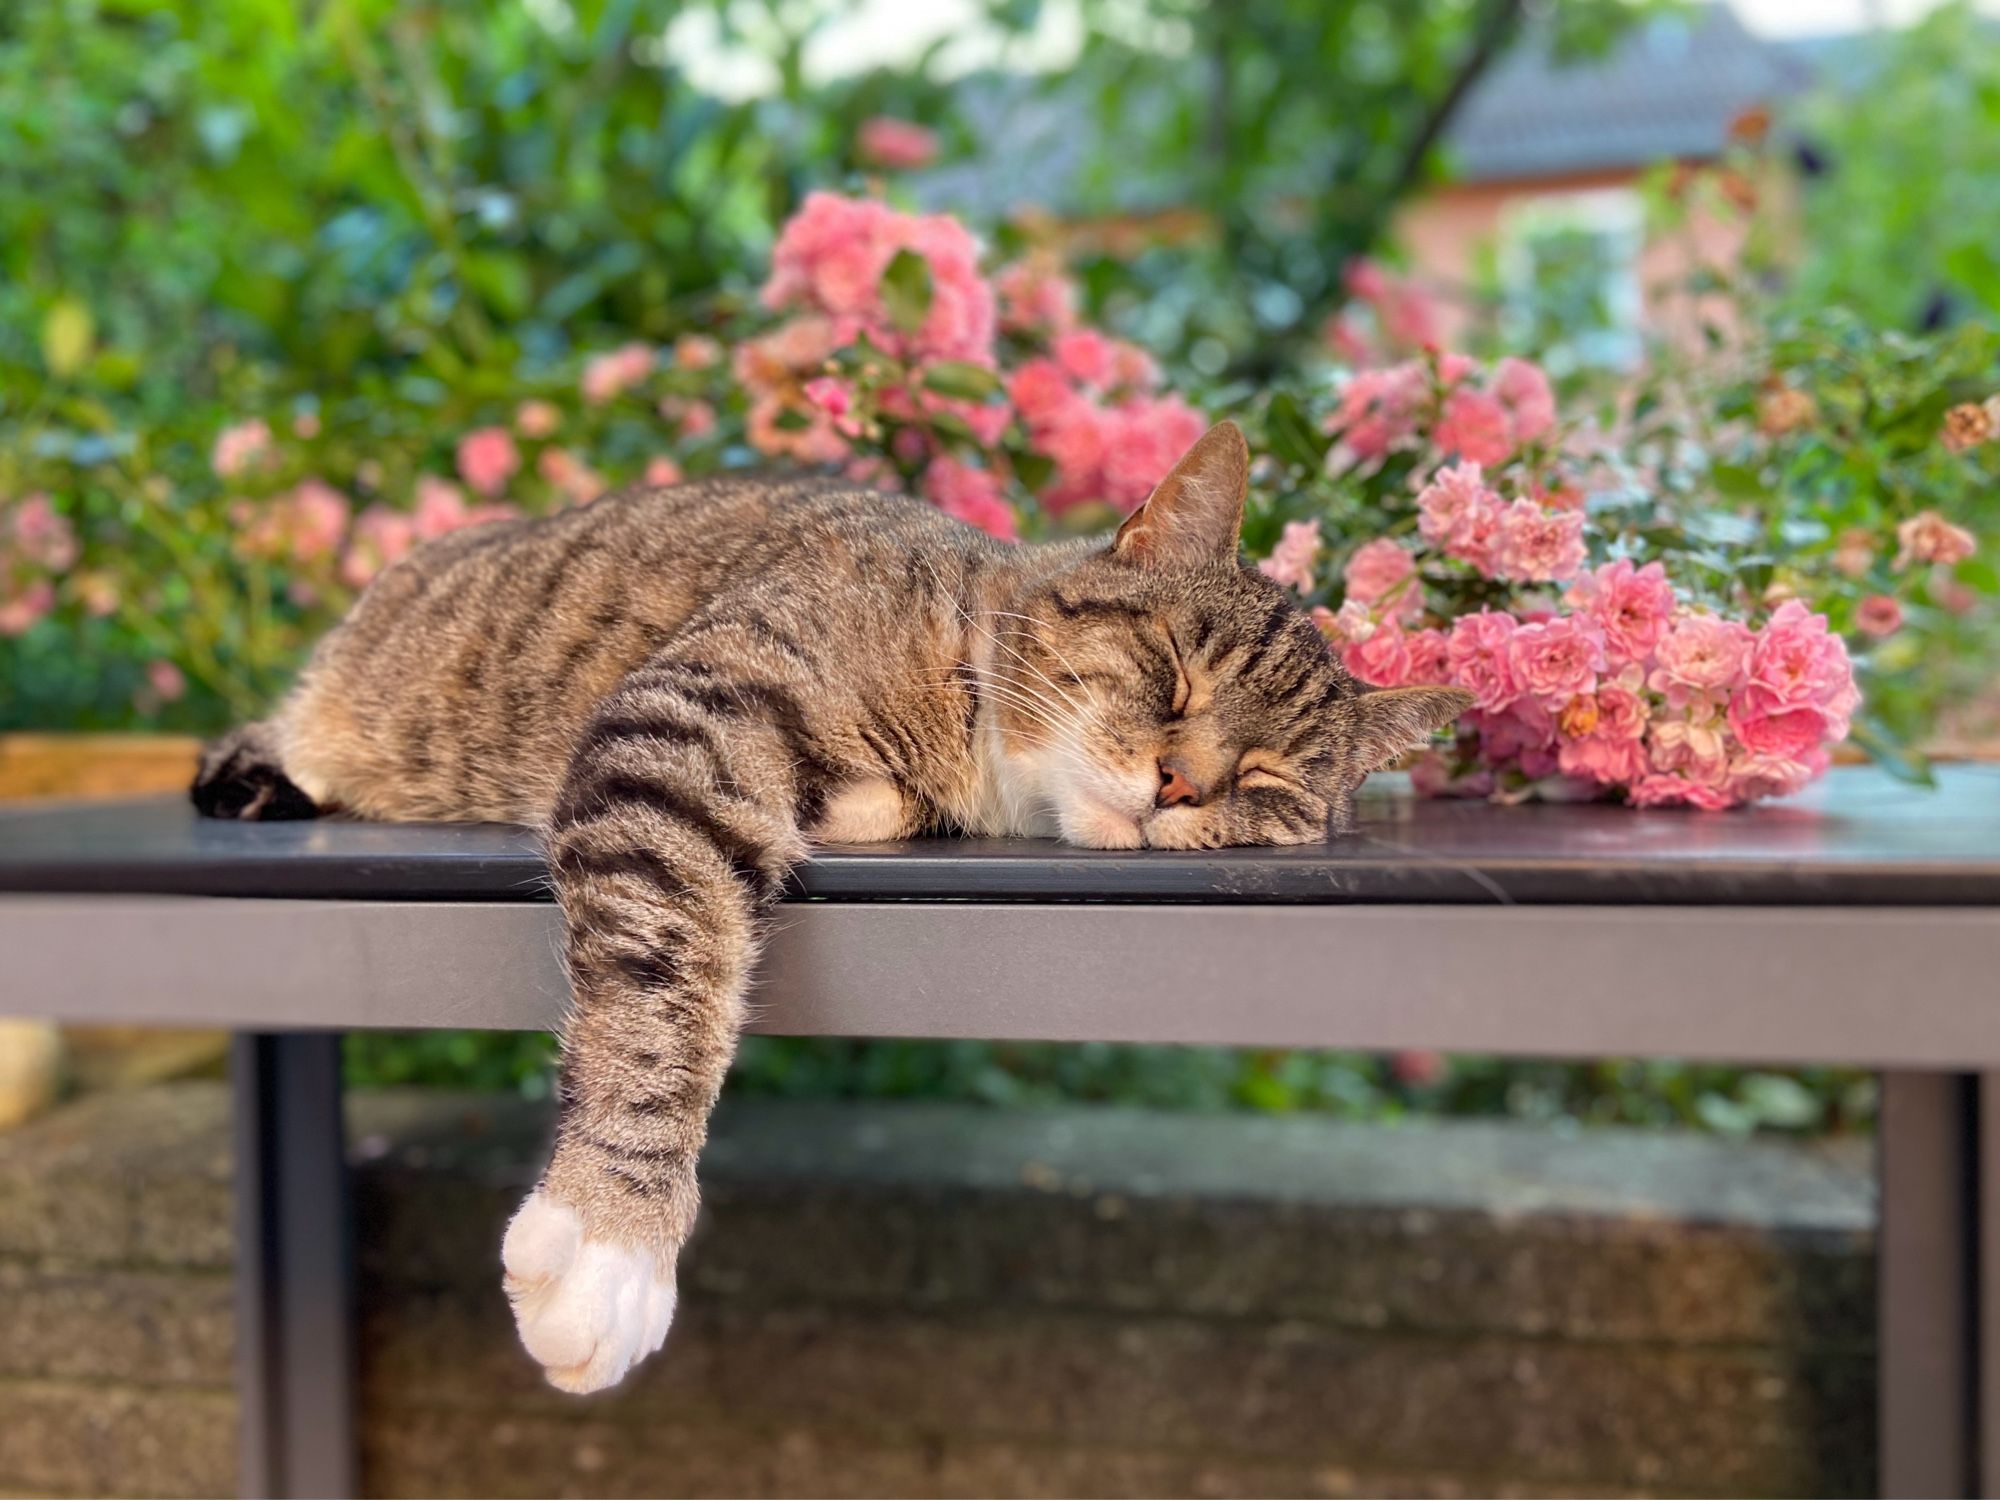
{"x": 1569, "y": 279}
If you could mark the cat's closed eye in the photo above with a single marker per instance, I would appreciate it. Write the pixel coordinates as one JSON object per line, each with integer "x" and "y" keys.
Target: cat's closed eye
{"x": 1262, "y": 768}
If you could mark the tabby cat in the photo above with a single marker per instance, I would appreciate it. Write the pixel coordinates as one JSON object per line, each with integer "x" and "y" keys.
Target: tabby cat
{"x": 687, "y": 688}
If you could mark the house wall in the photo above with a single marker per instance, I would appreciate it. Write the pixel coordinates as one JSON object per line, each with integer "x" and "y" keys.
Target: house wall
{"x": 1444, "y": 232}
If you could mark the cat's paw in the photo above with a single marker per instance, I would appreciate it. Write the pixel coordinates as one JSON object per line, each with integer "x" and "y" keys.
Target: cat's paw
{"x": 587, "y": 1309}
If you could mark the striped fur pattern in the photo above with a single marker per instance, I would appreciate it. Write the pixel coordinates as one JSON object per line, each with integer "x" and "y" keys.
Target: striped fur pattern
{"x": 686, "y": 688}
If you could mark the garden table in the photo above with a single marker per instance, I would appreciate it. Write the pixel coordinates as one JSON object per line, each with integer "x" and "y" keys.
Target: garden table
{"x": 1858, "y": 924}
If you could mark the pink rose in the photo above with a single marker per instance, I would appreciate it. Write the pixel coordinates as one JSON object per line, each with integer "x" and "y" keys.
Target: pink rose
{"x": 1291, "y": 561}
{"x": 1697, "y": 746}
{"x": 319, "y": 519}
{"x": 1459, "y": 514}
{"x": 1524, "y": 392}
{"x": 1381, "y": 570}
{"x": 381, "y": 537}
{"x": 1700, "y": 654}
{"x": 1430, "y": 657}
{"x": 608, "y": 375}
{"x": 239, "y": 446}
{"x": 1633, "y": 605}
{"x": 662, "y": 471}
{"x": 1036, "y": 298}
{"x": 898, "y": 145}
{"x": 440, "y": 507}
{"x": 1797, "y": 662}
{"x": 39, "y": 534}
{"x": 1538, "y": 546}
{"x": 694, "y": 351}
{"x": 974, "y": 496}
{"x": 579, "y": 483}
{"x": 1557, "y": 659}
{"x": 1084, "y": 355}
{"x": 1481, "y": 660}
{"x": 1928, "y": 537}
{"x": 1878, "y": 615}
{"x": 1474, "y": 426}
{"x": 1674, "y": 791}
{"x": 1522, "y": 735}
{"x": 1379, "y": 409}
{"x": 1382, "y": 657}
{"x": 537, "y": 419}
{"x": 166, "y": 680}
{"x": 487, "y": 459}
{"x": 22, "y": 606}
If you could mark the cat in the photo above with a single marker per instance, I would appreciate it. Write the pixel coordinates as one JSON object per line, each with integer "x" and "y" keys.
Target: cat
{"x": 686, "y": 688}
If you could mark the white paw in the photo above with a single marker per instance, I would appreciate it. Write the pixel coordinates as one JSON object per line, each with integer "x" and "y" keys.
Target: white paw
{"x": 587, "y": 1309}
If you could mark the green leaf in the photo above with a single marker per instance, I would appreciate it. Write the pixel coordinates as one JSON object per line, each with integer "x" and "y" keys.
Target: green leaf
{"x": 1737, "y": 482}
{"x": 906, "y": 290}
{"x": 67, "y": 335}
{"x": 1904, "y": 762}
{"x": 1034, "y": 470}
{"x": 1294, "y": 436}
{"x": 961, "y": 379}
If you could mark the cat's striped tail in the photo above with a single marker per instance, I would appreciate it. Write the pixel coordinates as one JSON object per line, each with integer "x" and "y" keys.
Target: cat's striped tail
{"x": 241, "y": 776}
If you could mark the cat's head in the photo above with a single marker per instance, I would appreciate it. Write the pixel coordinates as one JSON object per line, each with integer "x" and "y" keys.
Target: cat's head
{"x": 1158, "y": 693}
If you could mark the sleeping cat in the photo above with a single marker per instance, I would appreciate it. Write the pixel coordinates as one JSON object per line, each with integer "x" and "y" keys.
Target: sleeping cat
{"x": 687, "y": 688}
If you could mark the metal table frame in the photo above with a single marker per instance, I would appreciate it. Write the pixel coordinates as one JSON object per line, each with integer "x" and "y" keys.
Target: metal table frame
{"x": 1898, "y": 987}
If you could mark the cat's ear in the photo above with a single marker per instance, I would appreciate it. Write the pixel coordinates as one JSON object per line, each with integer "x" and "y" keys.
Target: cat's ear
{"x": 1195, "y": 515}
{"x": 1389, "y": 721}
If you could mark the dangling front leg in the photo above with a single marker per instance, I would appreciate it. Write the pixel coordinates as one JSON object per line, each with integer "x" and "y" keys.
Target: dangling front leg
{"x": 676, "y": 825}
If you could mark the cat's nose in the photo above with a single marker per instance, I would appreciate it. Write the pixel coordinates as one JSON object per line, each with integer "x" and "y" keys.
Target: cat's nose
{"x": 1176, "y": 787}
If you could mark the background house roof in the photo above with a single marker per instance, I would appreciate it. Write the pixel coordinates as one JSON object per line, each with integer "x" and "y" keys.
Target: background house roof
{"x": 1668, "y": 88}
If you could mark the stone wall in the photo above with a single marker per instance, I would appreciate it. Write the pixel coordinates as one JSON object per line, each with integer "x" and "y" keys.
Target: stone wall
{"x": 911, "y": 1299}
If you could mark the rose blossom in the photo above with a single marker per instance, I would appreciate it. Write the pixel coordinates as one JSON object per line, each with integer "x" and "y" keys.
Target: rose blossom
{"x": 579, "y": 483}
{"x": 696, "y": 351}
{"x": 1523, "y": 734}
{"x": 1798, "y": 663}
{"x": 1035, "y": 296}
{"x": 611, "y": 374}
{"x": 974, "y": 496}
{"x": 165, "y": 679}
{"x": 1633, "y": 605}
{"x": 39, "y": 533}
{"x": 1382, "y": 659}
{"x": 1557, "y": 659}
{"x": 23, "y": 606}
{"x": 1291, "y": 561}
{"x": 1878, "y": 615}
{"x": 1524, "y": 391}
{"x": 1480, "y": 659}
{"x": 1700, "y": 654}
{"x": 1538, "y": 546}
{"x": 1381, "y": 569}
{"x": 1928, "y": 537}
{"x": 1379, "y": 408}
{"x": 239, "y": 446}
{"x": 662, "y": 471}
{"x": 487, "y": 459}
{"x": 1661, "y": 790}
{"x": 1473, "y": 425}
{"x": 899, "y": 145}
{"x": 1458, "y": 513}
{"x": 537, "y": 419}
{"x": 1430, "y": 657}
{"x": 381, "y": 537}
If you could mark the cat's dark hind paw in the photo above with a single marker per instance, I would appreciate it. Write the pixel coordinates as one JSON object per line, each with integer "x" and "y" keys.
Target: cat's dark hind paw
{"x": 240, "y": 778}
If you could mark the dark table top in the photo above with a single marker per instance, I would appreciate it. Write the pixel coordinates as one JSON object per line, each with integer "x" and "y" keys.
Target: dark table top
{"x": 1856, "y": 838}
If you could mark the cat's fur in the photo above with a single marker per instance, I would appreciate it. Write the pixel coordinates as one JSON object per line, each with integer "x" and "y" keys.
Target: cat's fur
{"x": 687, "y": 687}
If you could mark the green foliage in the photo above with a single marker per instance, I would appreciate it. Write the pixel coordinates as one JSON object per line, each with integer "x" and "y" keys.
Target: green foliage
{"x": 1903, "y": 223}
{"x": 1295, "y": 127}
{"x": 1348, "y": 1085}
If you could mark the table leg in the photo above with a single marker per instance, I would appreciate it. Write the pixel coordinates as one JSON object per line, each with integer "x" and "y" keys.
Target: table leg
{"x": 294, "y": 1280}
{"x": 1927, "y": 1269}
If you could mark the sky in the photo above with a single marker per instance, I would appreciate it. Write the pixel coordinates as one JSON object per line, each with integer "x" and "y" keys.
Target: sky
{"x": 896, "y": 31}
{"x": 1814, "y": 17}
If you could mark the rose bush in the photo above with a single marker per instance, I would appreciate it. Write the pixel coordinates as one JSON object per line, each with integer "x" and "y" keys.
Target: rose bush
{"x": 1650, "y": 606}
